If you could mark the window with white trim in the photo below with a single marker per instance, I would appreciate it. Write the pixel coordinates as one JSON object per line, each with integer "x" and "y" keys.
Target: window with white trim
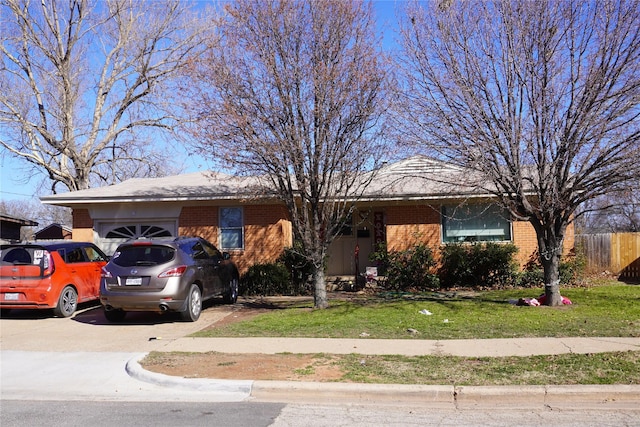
{"x": 475, "y": 223}
{"x": 137, "y": 230}
{"x": 231, "y": 228}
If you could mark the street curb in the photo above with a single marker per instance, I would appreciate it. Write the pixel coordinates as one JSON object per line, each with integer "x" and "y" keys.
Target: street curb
{"x": 609, "y": 394}
{"x": 232, "y": 387}
{"x": 459, "y": 397}
{"x": 353, "y": 393}
{"x": 436, "y": 396}
{"x": 549, "y": 395}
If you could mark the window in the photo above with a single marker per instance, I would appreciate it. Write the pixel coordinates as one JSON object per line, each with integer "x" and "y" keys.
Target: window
{"x": 130, "y": 256}
{"x": 135, "y": 231}
{"x": 475, "y": 223}
{"x": 93, "y": 254}
{"x": 347, "y": 227}
{"x": 231, "y": 228}
{"x": 73, "y": 255}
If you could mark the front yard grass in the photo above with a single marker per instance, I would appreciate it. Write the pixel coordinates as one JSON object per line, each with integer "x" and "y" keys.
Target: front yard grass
{"x": 602, "y": 309}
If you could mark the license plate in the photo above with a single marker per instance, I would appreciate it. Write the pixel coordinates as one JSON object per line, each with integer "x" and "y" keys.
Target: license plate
{"x": 133, "y": 281}
{"x": 11, "y": 297}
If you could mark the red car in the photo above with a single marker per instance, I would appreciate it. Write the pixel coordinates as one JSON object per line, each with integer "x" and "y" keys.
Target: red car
{"x": 52, "y": 275}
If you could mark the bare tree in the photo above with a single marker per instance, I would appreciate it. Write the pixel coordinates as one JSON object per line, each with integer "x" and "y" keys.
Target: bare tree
{"x": 293, "y": 92}
{"x": 612, "y": 213}
{"x": 85, "y": 85}
{"x": 35, "y": 211}
{"x": 540, "y": 97}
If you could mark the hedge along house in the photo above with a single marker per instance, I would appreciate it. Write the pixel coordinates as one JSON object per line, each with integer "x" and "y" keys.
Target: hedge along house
{"x": 407, "y": 202}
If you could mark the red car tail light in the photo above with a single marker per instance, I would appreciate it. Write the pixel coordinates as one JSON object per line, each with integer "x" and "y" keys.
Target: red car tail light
{"x": 47, "y": 264}
{"x": 173, "y": 272}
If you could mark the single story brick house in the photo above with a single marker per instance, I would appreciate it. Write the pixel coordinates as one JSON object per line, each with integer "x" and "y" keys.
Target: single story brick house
{"x": 407, "y": 202}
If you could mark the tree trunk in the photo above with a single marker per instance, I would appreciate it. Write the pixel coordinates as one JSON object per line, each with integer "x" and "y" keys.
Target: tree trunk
{"x": 551, "y": 267}
{"x": 320, "y": 289}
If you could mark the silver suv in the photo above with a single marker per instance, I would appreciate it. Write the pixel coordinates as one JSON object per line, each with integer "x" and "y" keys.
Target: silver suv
{"x": 166, "y": 275}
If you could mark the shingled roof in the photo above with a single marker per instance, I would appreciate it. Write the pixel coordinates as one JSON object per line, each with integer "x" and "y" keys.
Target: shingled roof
{"x": 416, "y": 177}
{"x": 204, "y": 185}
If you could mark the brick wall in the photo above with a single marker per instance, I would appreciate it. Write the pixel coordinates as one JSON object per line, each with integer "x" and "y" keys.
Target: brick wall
{"x": 266, "y": 231}
{"x": 409, "y": 225}
{"x": 524, "y": 237}
{"x": 82, "y": 226}
{"x": 199, "y": 221}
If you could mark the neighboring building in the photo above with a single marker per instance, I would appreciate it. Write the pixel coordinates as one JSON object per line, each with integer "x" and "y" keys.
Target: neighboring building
{"x": 406, "y": 202}
{"x": 54, "y": 232}
{"x": 10, "y": 227}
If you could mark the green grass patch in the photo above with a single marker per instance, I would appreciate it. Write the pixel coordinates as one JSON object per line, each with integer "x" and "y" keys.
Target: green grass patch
{"x": 562, "y": 369}
{"x": 568, "y": 369}
{"x": 609, "y": 308}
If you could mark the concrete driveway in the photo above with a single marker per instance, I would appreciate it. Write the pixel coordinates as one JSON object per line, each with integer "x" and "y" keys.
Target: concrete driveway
{"x": 88, "y": 330}
{"x": 87, "y": 358}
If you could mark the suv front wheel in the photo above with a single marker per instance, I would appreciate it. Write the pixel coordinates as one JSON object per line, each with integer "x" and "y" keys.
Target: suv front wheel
{"x": 194, "y": 305}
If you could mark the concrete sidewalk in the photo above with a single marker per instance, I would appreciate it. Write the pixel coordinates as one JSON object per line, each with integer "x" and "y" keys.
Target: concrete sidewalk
{"x": 408, "y": 347}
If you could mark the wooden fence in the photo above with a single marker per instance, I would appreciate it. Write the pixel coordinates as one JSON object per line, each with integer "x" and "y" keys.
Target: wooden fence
{"x": 618, "y": 253}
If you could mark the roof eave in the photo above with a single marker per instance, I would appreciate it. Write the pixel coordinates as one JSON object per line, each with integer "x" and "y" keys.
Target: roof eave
{"x": 108, "y": 200}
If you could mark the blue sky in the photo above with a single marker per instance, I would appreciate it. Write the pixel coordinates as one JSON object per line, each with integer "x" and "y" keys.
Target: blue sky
{"x": 17, "y": 184}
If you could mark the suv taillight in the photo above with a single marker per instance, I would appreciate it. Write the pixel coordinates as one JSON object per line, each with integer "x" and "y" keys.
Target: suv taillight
{"x": 105, "y": 273}
{"x": 173, "y": 272}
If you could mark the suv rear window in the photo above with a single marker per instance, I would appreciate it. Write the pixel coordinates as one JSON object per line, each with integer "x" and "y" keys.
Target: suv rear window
{"x": 129, "y": 256}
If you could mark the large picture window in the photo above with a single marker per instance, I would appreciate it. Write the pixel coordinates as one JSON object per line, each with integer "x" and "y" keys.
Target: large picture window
{"x": 475, "y": 223}
{"x": 231, "y": 228}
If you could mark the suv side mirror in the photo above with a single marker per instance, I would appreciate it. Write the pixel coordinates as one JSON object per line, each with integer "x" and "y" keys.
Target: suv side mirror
{"x": 226, "y": 255}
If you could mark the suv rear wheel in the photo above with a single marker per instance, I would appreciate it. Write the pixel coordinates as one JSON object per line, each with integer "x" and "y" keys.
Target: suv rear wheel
{"x": 194, "y": 305}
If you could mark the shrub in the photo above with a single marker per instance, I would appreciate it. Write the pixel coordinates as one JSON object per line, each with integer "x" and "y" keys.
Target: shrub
{"x": 531, "y": 278}
{"x": 407, "y": 270}
{"x": 478, "y": 265}
{"x": 572, "y": 267}
{"x": 299, "y": 269}
{"x": 266, "y": 279}
{"x": 289, "y": 275}
{"x": 380, "y": 259}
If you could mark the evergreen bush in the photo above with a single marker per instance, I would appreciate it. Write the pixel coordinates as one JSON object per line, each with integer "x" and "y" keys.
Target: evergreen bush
{"x": 478, "y": 265}
{"x": 266, "y": 279}
{"x": 408, "y": 270}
